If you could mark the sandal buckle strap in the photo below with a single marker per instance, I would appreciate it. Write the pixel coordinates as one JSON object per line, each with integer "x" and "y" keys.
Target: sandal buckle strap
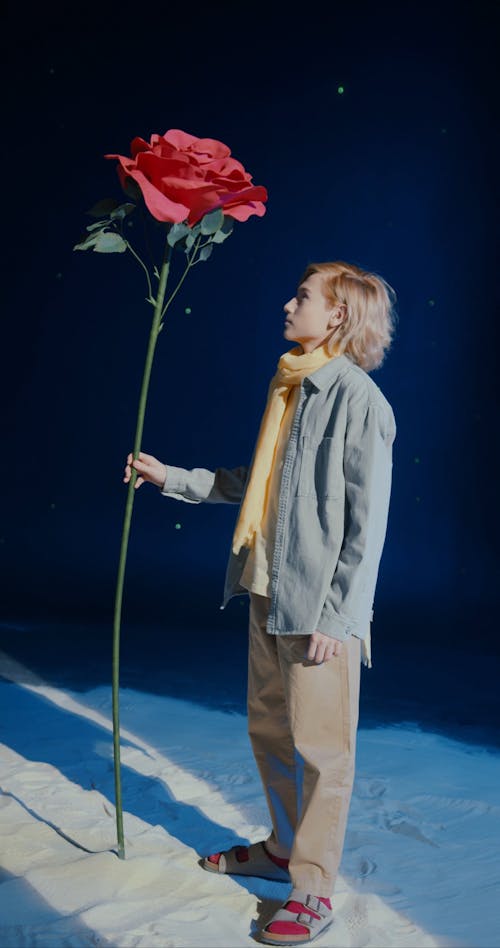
{"x": 314, "y": 903}
{"x": 311, "y": 901}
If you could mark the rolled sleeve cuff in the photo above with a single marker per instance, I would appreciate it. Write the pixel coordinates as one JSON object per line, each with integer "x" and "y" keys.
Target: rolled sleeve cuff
{"x": 335, "y": 626}
{"x": 176, "y": 484}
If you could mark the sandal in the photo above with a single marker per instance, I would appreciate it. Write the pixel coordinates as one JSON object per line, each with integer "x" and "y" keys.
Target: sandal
{"x": 253, "y": 860}
{"x": 300, "y": 920}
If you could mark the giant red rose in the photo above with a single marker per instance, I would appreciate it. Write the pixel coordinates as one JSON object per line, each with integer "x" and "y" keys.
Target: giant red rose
{"x": 182, "y": 178}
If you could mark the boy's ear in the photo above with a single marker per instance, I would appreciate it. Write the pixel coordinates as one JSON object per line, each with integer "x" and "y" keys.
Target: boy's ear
{"x": 340, "y": 310}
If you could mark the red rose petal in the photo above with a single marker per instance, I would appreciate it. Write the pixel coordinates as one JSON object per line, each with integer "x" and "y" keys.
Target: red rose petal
{"x": 156, "y": 167}
{"x": 207, "y": 148}
{"x": 181, "y": 140}
{"x": 158, "y": 204}
{"x": 226, "y": 167}
{"x": 243, "y": 211}
{"x": 138, "y": 145}
{"x": 210, "y": 149}
{"x": 253, "y": 193}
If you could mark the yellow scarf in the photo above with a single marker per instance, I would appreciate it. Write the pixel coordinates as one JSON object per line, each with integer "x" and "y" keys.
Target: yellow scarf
{"x": 293, "y": 366}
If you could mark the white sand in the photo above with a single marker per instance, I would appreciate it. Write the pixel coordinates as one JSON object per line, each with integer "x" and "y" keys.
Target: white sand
{"x": 420, "y": 868}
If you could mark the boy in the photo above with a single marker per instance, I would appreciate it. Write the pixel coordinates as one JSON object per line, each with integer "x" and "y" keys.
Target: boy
{"x": 311, "y": 526}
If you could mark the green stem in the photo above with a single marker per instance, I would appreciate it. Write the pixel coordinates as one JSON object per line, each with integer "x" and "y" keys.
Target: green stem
{"x": 143, "y": 265}
{"x": 183, "y": 277}
{"x": 158, "y": 312}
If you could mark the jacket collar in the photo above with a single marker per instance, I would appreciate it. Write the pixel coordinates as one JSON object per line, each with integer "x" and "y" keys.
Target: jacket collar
{"x": 329, "y": 372}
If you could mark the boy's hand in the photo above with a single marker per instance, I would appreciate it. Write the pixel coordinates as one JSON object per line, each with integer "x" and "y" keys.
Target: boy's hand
{"x": 322, "y": 648}
{"x": 148, "y": 468}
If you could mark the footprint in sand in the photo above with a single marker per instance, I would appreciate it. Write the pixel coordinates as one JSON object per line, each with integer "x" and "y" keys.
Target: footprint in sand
{"x": 366, "y": 867}
{"x": 398, "y": 824}
{"x": 369, "y": 788}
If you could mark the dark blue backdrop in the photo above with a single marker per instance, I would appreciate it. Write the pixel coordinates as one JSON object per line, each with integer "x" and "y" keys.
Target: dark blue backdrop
{"x": 397, "y": 173}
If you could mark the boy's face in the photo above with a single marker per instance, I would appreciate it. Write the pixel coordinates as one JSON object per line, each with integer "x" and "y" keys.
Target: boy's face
{"x": 310, "y": 319}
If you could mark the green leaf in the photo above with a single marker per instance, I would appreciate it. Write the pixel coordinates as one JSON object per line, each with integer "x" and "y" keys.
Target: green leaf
{"x": 220, "y": 237}
{"x": 99, "y": 225}
{"x": 109, "y": 243}
{"x": 103, "y": 242}
{"x": 177, "y": 233}
{"x": 103, "y": 208}
{"x": 225, "y": 231}
{"x": 122, "y": 211}
{"x": 190, "y": 239}
{"x": 87, "y": 243}
{"x": 212, "y": 222}
{"x": 205, "y": 252}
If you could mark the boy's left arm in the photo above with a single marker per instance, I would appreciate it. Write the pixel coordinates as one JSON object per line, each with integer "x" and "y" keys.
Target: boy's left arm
{"x": 368, "y": 475}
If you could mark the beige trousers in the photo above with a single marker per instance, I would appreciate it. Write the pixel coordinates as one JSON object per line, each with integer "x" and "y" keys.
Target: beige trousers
{"x": 302, "y": 723}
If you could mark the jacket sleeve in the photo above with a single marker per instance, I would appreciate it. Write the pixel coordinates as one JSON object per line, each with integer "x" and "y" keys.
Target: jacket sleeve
{"x": 370, "y": 434}
{"x": 222, "y": 486}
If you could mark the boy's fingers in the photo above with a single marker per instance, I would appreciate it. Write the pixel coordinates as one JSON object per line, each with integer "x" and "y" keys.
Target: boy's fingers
{"x": 142, "y": 458}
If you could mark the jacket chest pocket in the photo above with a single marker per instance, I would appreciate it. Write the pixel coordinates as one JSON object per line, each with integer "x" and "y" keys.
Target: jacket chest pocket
{"x": 321, "y": 471}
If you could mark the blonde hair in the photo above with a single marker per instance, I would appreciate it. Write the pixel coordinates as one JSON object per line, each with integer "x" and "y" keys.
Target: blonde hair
{"x": 366, "y": 332}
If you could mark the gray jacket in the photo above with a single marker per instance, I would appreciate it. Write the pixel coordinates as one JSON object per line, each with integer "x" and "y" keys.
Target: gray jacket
{"x": 332, "y": 510}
